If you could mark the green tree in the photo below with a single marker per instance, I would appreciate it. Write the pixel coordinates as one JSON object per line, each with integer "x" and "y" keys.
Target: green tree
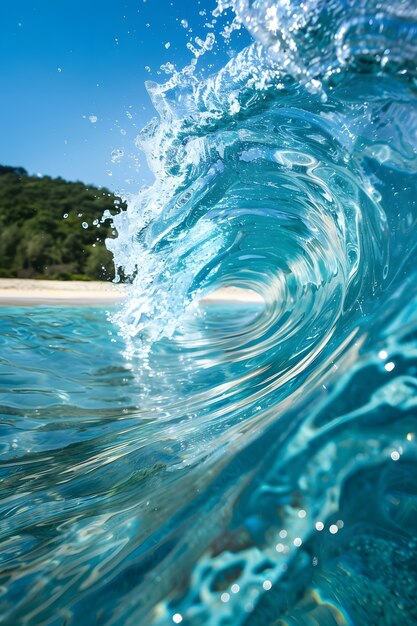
{"x": 53, "y": 228}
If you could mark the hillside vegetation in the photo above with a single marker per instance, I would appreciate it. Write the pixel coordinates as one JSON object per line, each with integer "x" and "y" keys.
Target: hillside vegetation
{"x": 52, "y": 228}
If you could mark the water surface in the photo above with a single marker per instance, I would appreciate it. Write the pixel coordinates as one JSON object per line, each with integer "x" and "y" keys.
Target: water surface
{"x": 237, "y": 464}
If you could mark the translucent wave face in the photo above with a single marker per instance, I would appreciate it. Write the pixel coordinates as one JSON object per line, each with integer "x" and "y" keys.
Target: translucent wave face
{"x": 274, "y": 207}
{"x": 289, "y": 175}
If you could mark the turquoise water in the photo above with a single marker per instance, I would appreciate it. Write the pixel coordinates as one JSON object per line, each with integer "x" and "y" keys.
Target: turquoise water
{"x": 237, "y": 464}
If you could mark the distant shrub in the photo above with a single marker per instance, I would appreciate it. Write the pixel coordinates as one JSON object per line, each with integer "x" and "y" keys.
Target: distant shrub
{"x": 7, "y": 273}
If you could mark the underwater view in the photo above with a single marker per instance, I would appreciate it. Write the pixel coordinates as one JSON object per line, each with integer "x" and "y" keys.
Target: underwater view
{"x": 234, "y": 443}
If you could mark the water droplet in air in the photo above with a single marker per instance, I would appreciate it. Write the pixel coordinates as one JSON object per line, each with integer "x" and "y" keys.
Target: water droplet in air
{"x": 116, "y": 155}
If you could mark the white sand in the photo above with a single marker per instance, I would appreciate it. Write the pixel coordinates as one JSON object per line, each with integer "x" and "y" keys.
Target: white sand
{"x": 22, "y": 292}
{"x": 27, "y": 292}
{"x": 232, "y": 294}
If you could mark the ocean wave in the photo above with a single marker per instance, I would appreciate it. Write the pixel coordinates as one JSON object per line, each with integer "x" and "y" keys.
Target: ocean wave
{"x": 291, "y": 174}
{"x": 266, "y": 472}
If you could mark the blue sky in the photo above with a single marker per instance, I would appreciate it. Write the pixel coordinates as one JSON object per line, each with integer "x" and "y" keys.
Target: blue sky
{"x": 72, "y": 81}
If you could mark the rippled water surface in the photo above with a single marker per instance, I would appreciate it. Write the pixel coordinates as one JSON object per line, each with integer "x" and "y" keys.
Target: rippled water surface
{"x": 237, "y": 462}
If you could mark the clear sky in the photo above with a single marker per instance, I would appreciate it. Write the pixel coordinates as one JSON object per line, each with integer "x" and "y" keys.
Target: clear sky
{"x": 72, "y": 81}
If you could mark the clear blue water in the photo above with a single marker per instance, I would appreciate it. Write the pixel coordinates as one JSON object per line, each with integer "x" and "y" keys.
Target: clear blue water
{"x": 237, "y": 464}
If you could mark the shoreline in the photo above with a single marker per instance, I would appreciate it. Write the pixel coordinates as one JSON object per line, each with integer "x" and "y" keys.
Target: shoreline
{"x": 232, "y": 295}
{"x": 31, "y": 292}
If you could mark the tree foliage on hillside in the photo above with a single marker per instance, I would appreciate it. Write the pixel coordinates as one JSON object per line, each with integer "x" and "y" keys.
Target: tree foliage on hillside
{"x": 52, "y": 228}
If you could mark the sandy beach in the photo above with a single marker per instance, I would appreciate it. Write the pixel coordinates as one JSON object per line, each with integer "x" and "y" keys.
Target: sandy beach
{"x": 24, "y": 292}
{"x": 237, "y": 295}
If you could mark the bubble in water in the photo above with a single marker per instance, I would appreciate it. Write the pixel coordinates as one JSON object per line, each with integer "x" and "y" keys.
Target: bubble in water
{"x": 84, "y": 225}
